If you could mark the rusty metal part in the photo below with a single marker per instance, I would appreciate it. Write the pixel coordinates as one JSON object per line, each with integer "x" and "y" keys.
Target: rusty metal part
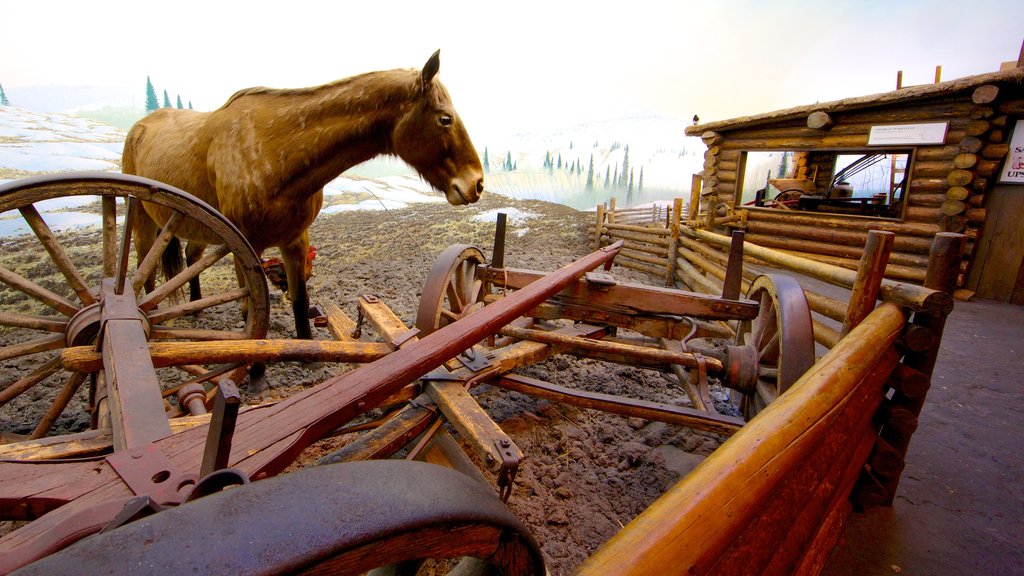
{"x": 367, "y": 514}
{"x": 192, "y": 397}
{"x": 222, "y": 428}
{"x": 781, "y": 336}
{"x": 498, "y": 253}
{"x": 148, "y": 472}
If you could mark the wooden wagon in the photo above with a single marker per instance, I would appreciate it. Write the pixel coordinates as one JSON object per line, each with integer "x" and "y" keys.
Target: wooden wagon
{"x": 192, "y": 493}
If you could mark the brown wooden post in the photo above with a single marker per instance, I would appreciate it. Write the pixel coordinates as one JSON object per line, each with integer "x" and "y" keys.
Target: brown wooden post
{"x": 673, "y": 243}
{"x": 943, "y": 269}
{"x": 695, "y": 189}
{"x": 611, "y": 210}
{"x": 599, "y": 229}
{"x": 869, "y": 278}
{"x": 734, "y": 267}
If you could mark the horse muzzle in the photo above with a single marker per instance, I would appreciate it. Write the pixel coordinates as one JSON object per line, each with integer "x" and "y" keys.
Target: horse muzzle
{"x": 461, "y": 192}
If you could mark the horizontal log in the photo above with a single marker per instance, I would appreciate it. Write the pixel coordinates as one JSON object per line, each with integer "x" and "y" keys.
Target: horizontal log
{"x": 655, "y": 239}
{"x": 945, "y": 152}
{"x": 971, "y": 144}
{"x": 643, "y": 257}
{"x": 892, "y": 271}
{"x": 952, "y": 207}
{"x": 906, "y": 295}
{"x": 925, "y": 214}
{"x": 692, "y": 277}
{"x": 960, "y": 177}
{"x": 88, "y": 359}
{"x": 807, "y": 229}
{"x": 924, "y": 185}
{"x": 933, "y": 168}
{"x": 976, "y": 127}
{"x": 957, "y": 193}
{"x": 652, "y": 230}
{"x": 640, "y": 267}
{"x": 839, "y": 223}
{"x": 927, "y": 198}
{"x": 824, "y": 249}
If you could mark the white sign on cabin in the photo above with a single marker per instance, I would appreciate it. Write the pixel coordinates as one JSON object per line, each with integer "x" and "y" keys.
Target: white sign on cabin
{"x": 926, "y": 133}
{"x": 1013, "y": 170}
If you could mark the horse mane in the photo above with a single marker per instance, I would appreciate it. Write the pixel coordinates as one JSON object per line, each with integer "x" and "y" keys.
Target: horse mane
{"x": 399, "y": 78}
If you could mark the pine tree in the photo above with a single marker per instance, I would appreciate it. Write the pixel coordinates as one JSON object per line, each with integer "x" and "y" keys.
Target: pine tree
{"x": 487, "y": 162}
{"x": 179, "y": 102}
{"x": 167, "y": 100}
{"x": 189, "y": 104}
{"x": 151, "y": 102}
{"x": 630, "y": 188}
{"x": 508, "y": 162}
{"x": 3, "y": 97}
{"x": 590, "y": 174}
{"x": 607, "y": 176}
{"x": 615, "y": 180}
{"x": 559, "y": 160}
{"x": 625, "y": 168}
{"x": 640, "y": 183}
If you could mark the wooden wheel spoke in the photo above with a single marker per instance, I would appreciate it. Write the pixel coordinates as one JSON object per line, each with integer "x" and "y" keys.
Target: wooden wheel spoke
{"x": 59, "y": 404}
{"x": 109, "y": 204}
{"x": 47, "y": 323}
{"x": 163, "y": 291}
{"x": 204, "y": 334}
{"x": 36, "y": 291}
{"x": 445, "y": 313}
{"x": 164, "y": 314}
{"x": 42, "y": 344}
{"x": 38, "y": 375}
{"x": 126, "y": 244}
{"x": 57, "y": 253}
{"x": 151, "y": 260}
{"x": 454, "y": 297}
{"x": 768, "y": 346}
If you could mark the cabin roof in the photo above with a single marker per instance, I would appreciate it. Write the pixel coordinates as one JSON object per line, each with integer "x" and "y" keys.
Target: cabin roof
{"x": 1015, "y": 75}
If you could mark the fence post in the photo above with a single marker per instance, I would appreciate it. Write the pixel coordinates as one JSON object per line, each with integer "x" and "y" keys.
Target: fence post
{"x": 695, "y": 188}
{"x": 600, "y": 227}
{"x": 869, "y": 278}
{"x": 673, "y": 243}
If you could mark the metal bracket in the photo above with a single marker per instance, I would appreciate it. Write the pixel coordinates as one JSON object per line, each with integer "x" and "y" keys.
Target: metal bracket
{"x": 148, "y": 472}
{"x": 405, "y": 337}
{"x": 474, "y": 360}
{"x": 509, "y": 468}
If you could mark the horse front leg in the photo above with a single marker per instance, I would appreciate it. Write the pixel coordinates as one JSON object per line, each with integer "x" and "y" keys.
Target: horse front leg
{"x": 294, "y": 258}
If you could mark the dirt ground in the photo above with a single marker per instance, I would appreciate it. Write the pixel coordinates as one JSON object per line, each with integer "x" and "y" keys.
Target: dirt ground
{"x": 586, "y": 474}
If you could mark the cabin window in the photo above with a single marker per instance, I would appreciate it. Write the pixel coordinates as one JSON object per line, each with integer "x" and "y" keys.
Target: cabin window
{"x": 859, "y": 182}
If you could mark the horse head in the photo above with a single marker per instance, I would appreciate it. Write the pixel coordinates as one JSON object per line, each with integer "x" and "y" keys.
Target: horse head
{"x": 431, "y": 138}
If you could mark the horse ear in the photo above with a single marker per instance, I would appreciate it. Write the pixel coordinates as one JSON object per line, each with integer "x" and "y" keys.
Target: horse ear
{"x": 431, "y": 67}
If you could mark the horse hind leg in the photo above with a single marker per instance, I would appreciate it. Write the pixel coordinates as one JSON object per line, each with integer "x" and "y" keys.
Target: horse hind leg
{"x": 193, "y": 252}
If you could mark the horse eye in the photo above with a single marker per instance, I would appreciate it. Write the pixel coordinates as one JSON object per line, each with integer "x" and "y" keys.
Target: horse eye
{"x": 445, "y": 120}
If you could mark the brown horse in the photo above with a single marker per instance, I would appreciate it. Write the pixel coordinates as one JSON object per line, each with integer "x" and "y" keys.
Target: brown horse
{"x": 263, "y": 157}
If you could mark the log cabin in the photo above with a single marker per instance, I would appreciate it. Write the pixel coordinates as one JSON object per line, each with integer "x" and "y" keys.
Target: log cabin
{"x": 945, "y": 157}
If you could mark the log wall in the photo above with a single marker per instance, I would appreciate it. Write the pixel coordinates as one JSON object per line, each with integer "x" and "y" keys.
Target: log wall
{"x": 948, "y": 181}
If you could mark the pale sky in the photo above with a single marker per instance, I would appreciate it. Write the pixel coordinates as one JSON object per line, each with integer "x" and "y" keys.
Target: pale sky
{"x": 518, "y": 64}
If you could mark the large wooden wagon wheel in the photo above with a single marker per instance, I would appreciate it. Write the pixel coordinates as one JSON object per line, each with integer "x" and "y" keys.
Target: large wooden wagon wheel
{"x": 52, "y": 290}
{"x": 337, "y": 519}
{"x": 780, "y": 338}
{"x": 455, "y": 287}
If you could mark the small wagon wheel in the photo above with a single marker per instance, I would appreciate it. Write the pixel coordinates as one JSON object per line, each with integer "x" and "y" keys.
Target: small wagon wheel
{"x": 337, "y": 519}
{"x": 781, "y": 336}
{"x": 51, "y": 293}
{"x": 455, "y": 288}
